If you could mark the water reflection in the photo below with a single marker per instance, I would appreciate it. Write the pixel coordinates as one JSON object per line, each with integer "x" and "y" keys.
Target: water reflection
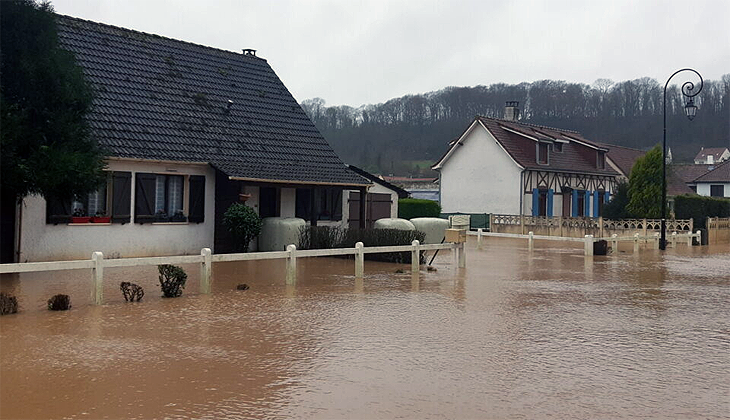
{"x": 518, "y": 334}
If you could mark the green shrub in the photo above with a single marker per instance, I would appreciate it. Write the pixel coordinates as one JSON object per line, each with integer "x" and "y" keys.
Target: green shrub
{"x": 172, "y": 280}
{"x": 616, "y": 208}
{"x": 699, "y": 208}
{"x": 243, "y": 222}
{"x": 409, "y": 208}
{"x": 325, "y": 237}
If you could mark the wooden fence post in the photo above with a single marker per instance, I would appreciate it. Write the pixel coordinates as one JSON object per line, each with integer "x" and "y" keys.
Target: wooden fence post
{"x": 291, "y": 264}
{"x": 206, "y": 269}
{"x": 614, "y": 243}
{"x": 643, "y": 233}
{"x": 588, "y": 245}
{"x": 415, "y": 256}
{"x": 97, "y": 276}
{"x": 636, "y": 243}
{"x": 674, "y": 239}
{"x": 479, "y": 238}
{"x": 359, "y": 261}
{"x": 656, "y": 241}
{"x": 699, "y": 237}
{"x": 530, "y": 240}
{"x": 689, "y": 238}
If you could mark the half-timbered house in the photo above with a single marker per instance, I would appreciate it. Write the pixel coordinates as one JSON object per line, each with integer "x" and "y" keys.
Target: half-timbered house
{"x": 510, "y": 167}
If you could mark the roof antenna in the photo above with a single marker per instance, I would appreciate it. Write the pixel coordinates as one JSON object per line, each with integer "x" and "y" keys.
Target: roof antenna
{"x": 249, "y": 51}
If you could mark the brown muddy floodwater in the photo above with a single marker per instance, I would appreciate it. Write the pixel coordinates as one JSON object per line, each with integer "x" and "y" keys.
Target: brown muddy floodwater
{"x": 515, "y": 335}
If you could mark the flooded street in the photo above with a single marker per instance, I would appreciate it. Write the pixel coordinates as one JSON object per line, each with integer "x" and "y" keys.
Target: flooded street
{"x": 515, "y": 335}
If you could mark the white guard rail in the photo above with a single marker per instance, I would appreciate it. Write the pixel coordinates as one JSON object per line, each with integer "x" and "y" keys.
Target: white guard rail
{"x": 97, "y": 263}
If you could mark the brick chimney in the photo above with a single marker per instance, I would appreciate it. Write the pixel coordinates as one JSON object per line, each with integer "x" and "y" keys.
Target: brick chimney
{"x": 512, "y": 111}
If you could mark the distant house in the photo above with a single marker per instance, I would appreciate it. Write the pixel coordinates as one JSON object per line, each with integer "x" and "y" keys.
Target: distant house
{"x": 714, "y": 183}
{"x": 712, "y": 155}
{"x": 510, "y": 167}
{"x": 421, "y": 188}
{"x": 381, "y": 202}
{"x": 622, "y": 159}
{"x": 190, "y": 130}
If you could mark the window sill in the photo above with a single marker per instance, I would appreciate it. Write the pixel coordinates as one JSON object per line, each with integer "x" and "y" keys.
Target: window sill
{"x": 89, "y": 224}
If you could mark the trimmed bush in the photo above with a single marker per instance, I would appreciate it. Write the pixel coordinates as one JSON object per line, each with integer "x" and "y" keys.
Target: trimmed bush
{"x": 59, "y": 303}
{"x": 8, "y": 304}
{"x": 243, "y": 223}
{"x": 172, "y": 280}
{"x": 699, "y": 208}
{"x": 131, "y": 291}
{"x": 409, "y": 208}
{"x": 326, "y": 237}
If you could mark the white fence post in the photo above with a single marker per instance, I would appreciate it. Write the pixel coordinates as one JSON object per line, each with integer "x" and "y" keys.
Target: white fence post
{"x": 97, "y": 276}
{"x": 614, "y": 243}
{"x": 455, "y": 253}
{"x": 689, "y": 238}
{"x": 291, "y": 264}
{"x": 636, "y": 242}
{"x": 674, "y": 239}
{"x": 206, "y": 270}
{"x": 656, "y": 241}
{"x": 415, "y": 256}
{"x": 462, "y": 255}
{"x": 588, "y": 245}
{"x": 359, "y": 261}
{"x": 479, "y": 238}
{"x": 530, "y": 239}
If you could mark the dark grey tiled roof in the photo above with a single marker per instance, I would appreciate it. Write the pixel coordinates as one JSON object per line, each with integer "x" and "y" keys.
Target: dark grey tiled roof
{"x": 164, "y": 99}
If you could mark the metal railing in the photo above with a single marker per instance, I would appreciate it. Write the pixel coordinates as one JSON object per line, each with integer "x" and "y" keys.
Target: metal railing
{"x": 97, "y": 263}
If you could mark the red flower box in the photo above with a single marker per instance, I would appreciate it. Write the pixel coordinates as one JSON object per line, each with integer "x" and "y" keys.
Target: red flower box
{"x": 84, "y": 219}
{"x": 101, "y": 219}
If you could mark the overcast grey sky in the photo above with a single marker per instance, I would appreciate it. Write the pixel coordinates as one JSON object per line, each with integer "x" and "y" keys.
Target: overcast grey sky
{"x": 358, "y": 52}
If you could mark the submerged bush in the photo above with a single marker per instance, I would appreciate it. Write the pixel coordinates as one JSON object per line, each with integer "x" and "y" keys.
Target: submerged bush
{"x": 59, "y": 303}
{"x": 172, "y": 280}
{"x": 326, "y": 237}
{"x": 8, "y": 304}
{"x": 131, "y": 291}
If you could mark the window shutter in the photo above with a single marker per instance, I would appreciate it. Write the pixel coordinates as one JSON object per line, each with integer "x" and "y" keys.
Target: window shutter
{"x": 607, "y": 197}
{"x": 550, "y": 202}
{"x": 121, "y": 197}
{"x": 587, "y": 212}
{"x": 144, "y": 198}
{"x": 58, "y": 210}
{"x": 196, "y": 203}
{"x": 535, "y": 202}
{"x": 595, "y": 204}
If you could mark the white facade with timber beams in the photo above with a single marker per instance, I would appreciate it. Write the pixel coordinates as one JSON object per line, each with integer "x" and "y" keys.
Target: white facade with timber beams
{"x": 509, "y": 167}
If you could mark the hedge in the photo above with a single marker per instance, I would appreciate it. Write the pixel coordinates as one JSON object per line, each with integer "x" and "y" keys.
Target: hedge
{"x": 409, "y": 208}
{"x": 326, "y": 237}
{"x": 699, "y": 208}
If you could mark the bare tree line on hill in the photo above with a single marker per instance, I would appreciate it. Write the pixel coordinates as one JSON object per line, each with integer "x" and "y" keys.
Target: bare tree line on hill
{"x": 387, "y": 137}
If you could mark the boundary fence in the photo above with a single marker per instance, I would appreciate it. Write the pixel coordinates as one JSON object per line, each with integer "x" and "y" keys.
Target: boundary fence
{"x": 97, "y": 263}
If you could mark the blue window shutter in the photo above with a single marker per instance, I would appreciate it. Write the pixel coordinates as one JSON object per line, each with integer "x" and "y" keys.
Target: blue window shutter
{"x": 595, "y": 204}
{"x": 607, "y": 197}
{"x": 550, "y": 203}
{"x": 575, "y": 203}
{"x": 535, "y": 202}
{"x": 587, "y": 211}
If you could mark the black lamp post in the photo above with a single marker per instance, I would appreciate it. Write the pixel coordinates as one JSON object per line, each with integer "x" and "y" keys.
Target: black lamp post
{"x": 688, "y": 90}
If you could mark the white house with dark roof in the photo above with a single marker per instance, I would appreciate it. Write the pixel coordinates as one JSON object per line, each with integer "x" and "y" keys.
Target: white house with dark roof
{"x": 189, "y": 130}
{"x": 714, "y": 183}
{"x": 506, "y": 166}
{"x": 712, "y": 155}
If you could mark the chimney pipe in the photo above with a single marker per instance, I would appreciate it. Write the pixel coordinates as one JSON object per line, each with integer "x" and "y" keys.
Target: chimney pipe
{"x": 512, "y": 111}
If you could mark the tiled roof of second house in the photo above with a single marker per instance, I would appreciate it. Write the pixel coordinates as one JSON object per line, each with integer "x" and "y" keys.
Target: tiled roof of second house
{"x": 164, "y": 99}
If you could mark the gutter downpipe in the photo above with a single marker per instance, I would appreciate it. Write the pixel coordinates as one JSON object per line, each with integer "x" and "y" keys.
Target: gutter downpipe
{"x": 522, "y": 190}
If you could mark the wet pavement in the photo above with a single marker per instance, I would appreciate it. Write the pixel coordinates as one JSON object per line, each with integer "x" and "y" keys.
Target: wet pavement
{"x": 516, "y": 335}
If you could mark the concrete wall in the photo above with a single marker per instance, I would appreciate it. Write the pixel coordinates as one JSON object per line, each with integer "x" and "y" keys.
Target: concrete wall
{"x": 47, "y": 242}
{"x": 704, "y": 188}
{"x": 480, "y": 177}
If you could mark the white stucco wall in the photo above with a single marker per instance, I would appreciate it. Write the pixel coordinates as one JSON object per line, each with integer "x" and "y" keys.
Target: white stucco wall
{"x": 480, "y": 177}
{"x": 704, "y": 188}
{"x": 47, "y": 242}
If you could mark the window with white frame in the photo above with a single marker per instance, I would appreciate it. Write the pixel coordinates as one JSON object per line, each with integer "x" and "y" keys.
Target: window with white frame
{"x": 169, "y": 194}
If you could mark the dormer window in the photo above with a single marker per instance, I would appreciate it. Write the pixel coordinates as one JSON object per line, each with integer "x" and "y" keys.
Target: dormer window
{"x": 601, "y": 160}
{"x": 542, "y": 153}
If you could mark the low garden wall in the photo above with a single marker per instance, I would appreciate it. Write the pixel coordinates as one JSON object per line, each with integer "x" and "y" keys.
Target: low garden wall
{"x": 578, "y": 227}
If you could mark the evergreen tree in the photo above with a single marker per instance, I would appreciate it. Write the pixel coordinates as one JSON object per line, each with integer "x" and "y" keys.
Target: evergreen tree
{"x": 45, "y": 143}
{"x": 645, "y": 186}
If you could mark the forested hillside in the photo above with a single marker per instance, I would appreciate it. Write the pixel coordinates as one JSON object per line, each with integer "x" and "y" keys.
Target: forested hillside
{"x": 408, "y": 133}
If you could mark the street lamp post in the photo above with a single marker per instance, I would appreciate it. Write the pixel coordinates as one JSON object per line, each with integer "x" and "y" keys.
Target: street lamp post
{"x": 688, "y": 90}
